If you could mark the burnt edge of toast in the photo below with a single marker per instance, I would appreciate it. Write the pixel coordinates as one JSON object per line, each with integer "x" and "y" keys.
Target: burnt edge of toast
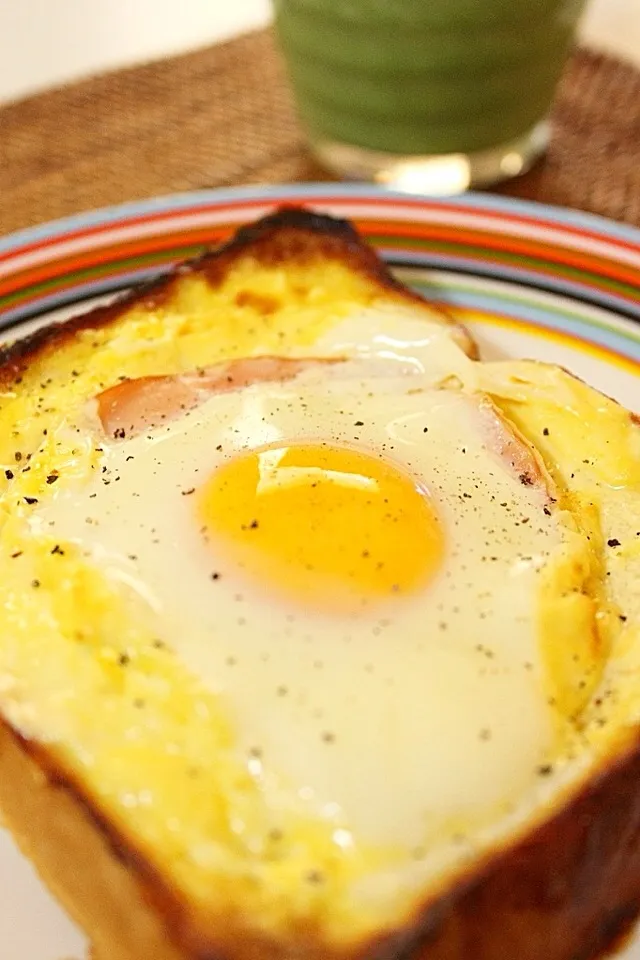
{"x": 568, "y": 890}
{"x": 290, "y": 234}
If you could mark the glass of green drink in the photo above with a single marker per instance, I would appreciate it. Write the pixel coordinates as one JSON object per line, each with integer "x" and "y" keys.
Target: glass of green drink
{"x": 431, "y": 96}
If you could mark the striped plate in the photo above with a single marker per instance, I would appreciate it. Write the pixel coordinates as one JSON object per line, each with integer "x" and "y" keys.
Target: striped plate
{"x": 529, "y": 280}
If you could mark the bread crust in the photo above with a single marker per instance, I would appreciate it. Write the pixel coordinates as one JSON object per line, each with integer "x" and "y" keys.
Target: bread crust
{"x": 564, "y": 892}
{"x": 83, "y": 866}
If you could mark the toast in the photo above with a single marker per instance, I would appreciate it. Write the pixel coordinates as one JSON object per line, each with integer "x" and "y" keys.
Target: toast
{"x": 561, "y": 887}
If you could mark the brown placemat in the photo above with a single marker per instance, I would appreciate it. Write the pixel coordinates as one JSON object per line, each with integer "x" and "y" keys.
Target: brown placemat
{"x": 223, "y": 115}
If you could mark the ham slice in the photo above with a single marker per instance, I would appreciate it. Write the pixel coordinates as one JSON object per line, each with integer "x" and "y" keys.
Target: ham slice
{"x": 132, "y": 406}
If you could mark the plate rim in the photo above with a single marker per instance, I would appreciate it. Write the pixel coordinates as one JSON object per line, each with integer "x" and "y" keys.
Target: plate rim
{"x": 530, "y": 210}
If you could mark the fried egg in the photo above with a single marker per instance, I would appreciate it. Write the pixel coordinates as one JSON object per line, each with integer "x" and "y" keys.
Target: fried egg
{"x": 353, "y": 565}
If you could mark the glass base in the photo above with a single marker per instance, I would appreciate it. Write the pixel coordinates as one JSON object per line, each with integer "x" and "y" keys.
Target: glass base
{"x": 436, "y": 174}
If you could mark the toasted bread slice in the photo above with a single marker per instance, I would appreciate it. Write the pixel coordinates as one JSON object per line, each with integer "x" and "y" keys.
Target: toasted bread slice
{"x": 102, "y": 802}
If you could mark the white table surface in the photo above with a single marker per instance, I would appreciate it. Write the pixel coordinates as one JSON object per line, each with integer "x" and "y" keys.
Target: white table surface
{"x": 48, "y": 42}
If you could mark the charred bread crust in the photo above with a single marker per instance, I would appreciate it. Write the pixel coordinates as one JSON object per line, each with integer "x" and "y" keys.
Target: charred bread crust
{"x": 288, "y": 236}
{"x": 566, "y": 891}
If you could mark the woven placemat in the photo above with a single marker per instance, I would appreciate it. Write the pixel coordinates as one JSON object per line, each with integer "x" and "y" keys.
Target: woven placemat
{"x": 224, "y": 115}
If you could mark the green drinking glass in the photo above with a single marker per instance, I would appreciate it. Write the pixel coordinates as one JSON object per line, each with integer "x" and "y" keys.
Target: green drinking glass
{"x": 431, "y": 96}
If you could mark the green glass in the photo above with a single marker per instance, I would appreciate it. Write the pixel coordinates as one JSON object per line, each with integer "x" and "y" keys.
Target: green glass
{"x": 424, "y": 77}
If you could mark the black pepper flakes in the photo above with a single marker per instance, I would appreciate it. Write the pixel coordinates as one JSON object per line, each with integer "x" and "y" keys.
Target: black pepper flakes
{"x": 613, "y": 542}
{"x": 119, "y": 434}
{"x": 35, "y": 584}
{"x": 545, "y": 770}
{"x": 58, "y": 550}
{"x": 187, "y": 493}
{"x": 545, "y": 432}
{"x": 124, "y": 660}
{"x": 30, "y": 500}
{"x": 52, "y": 477}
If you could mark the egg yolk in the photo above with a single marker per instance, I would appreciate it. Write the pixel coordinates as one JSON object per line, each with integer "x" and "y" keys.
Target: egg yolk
{"x": 326, "y": 525}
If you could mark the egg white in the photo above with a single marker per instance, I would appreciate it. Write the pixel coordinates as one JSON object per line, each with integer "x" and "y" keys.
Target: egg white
{"x": 413, "y": 717}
